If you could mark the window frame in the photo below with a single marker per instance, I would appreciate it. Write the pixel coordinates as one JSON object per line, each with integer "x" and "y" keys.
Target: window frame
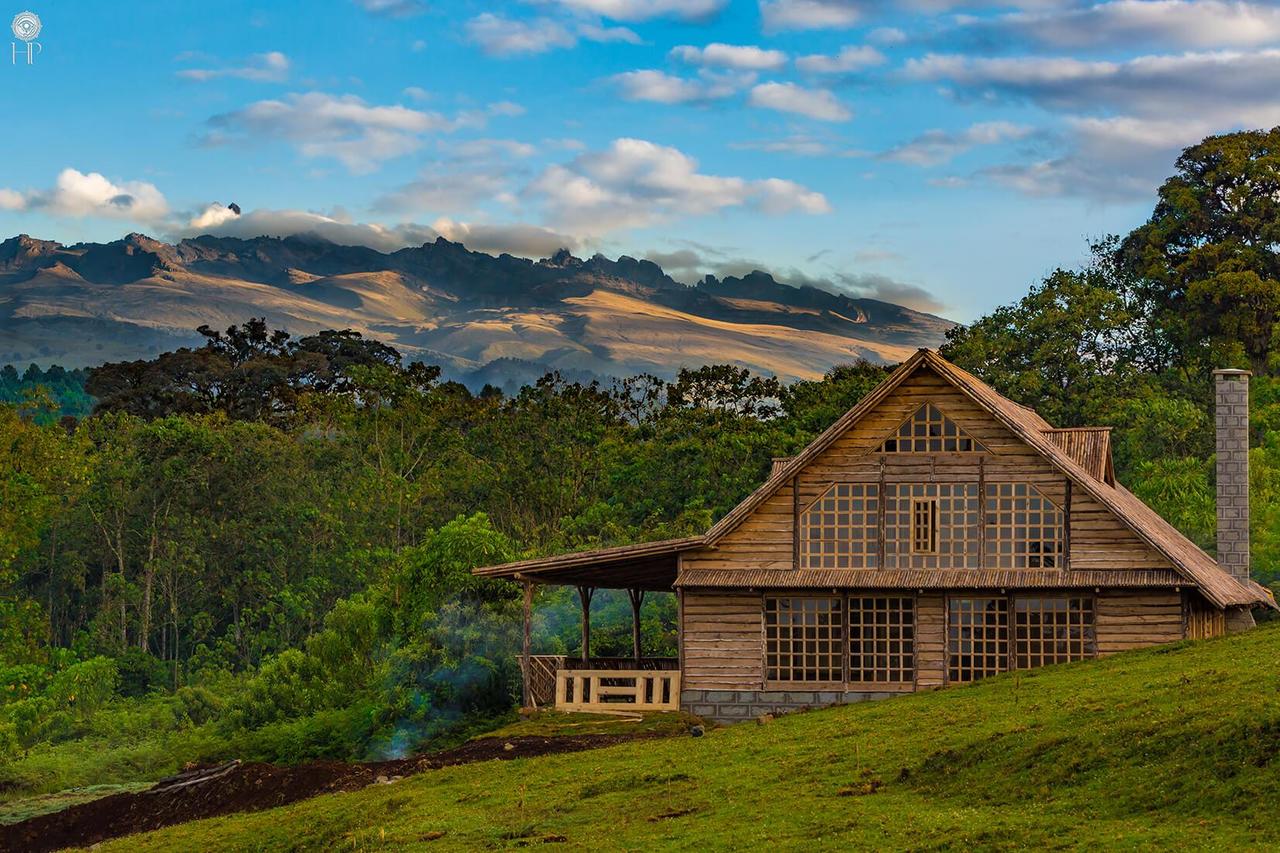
{"x": 921, "y": 432}
{"x": 1011, "y": 600}
{"x": 841, "y": 643}
{"x": 929, "y": 516}
{"x": 846, "y": 682}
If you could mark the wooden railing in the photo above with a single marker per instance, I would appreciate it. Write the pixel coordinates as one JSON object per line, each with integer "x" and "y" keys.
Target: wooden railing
{"x": 541, "y": 676}
{"x": 618, "y": 690}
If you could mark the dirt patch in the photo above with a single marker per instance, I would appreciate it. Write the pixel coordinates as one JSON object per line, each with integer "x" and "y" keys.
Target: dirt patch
{"x": 235, "y": 787}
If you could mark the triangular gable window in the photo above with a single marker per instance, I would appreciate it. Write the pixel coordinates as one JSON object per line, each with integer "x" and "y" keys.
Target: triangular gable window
{"x": 930, "y": 431}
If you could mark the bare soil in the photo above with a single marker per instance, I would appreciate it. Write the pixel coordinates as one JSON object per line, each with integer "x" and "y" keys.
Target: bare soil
{"x": 236, "y": 787}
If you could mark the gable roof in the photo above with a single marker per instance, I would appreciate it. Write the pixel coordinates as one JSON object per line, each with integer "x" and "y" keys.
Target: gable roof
{"x": 1215, "y": 583}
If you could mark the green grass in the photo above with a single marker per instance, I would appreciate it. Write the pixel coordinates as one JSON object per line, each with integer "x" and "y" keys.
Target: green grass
{"x": 1169, "y": 748}
{"x": 14, "y": 811}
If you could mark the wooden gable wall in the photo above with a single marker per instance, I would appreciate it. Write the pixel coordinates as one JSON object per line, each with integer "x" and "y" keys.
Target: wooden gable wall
{"x": 765, "y": 540}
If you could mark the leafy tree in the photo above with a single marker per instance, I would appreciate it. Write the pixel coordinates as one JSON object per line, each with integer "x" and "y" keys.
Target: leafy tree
{"x": 1207, "y": 263}
{"x": 1068, "y": 347}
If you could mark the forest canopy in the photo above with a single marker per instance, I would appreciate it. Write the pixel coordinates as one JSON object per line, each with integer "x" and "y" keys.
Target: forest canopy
{"x": 262, "y": 546}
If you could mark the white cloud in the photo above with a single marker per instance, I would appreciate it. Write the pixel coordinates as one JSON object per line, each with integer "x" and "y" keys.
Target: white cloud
{"x": 812, "y": 14}
{"x": 506, "y": 37}
{"x": 343, "y": 127}
{"x": 644, "y": 10}
{"x": 801, "y": 145}
{"x": 789, "y": 98}
{"x": 1128, "y": 23}
{"x": 530, "y": 241}
{"x": 849, "y": 59}
{"x": 886, "y": 36}
{"x": 517, "y": 238}
{"x": 660, "y": 87}
{"x": 498, "y": 36}
{"x": 272, "y": 67}
{"x": 935, "y": 147}
{"x": 741, "y": 57}
{"x": 393, "y": 8}
{"x": 417, "y": 93}
{"x": 1124, "y": 121}
{"x": 213, "y": 216}
{"x": 79, "y": 194}
{"x": 634, "y": 182}
{"x": 605, "y": 35}
{"x": 1229, "y": 84}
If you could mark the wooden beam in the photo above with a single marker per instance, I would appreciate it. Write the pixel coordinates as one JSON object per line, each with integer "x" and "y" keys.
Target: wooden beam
{"x": 1066, "y": 529}
{"x": 585, "y": 594}
{"x": 526, "y": 657}
{"x": 982, "y": 512}
{"x": 637, "y": 601}
{"x": 883, "y": 504}
{"x": 795, "y": 522}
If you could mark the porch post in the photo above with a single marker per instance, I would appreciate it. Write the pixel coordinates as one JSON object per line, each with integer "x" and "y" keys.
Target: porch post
{"x": 585, "y": 594}
{"x": 526, "y": 659}
{"x": 637, "y": 601}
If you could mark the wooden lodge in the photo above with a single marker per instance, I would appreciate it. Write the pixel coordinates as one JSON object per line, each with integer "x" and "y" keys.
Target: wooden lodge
{"x": 935, "y": 534}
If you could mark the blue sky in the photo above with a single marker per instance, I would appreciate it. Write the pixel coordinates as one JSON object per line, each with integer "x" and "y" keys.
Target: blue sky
{"x": 937, "y": 153}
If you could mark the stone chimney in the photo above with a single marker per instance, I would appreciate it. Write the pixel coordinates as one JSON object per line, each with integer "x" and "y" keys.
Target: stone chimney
{"x": 1231, "y": 416}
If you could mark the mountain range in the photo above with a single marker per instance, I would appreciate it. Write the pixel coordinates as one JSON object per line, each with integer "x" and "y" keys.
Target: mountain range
{"x": 501, "y": 318}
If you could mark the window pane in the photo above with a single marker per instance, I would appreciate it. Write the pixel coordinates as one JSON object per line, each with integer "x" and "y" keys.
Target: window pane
{"x": 1053, "y": 630}
{"x": 804, "y": 639}
{"x": 977, "y": 637}
{"x": 881, "y": 639}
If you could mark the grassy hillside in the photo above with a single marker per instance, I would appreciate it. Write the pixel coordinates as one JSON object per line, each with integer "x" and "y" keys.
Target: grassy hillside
{"x": 1175, "y": 747}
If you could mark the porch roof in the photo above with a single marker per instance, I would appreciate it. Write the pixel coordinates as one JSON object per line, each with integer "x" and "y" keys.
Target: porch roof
{"x": 649, "y": 566}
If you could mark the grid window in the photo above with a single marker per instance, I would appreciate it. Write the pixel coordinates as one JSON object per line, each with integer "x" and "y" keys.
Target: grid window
{"x": 930, "y": 431}
{"x": 956, "y": 516}
{"x": 1052, "y": 630}
{"x": 1024, "y": 528}
{"x": 804, "y": 639}
{"x": 882, "y": 639}
{"x": 924, "y": 526}
{"x": 840, "y": 529}
{"x": 977, "y": 638}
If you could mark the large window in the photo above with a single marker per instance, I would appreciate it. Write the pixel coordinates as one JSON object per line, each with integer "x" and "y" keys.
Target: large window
{"x": 1052, "y": 630}
{"x": 929, "y": 431}
{"x": 1024, "y": 528}
{"x": 840, "y": 529}
{"x": 804, "y": 639}
{"x": 882, "y": 639}
{"x": 931, "y": 525}
{"x": 977, "y": 638}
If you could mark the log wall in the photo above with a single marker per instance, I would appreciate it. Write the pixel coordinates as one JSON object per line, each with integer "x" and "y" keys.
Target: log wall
{"x": 722, "y": 633}
{"x": 722, "y": 640}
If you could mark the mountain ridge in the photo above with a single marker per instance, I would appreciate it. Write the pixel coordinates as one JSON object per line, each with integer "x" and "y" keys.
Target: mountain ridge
{"x": 84, "y": 303}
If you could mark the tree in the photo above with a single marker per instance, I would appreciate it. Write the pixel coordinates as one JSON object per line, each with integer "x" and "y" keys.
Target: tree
{"x": 1068, "y": 348}
{"x": 1207, "y": 264}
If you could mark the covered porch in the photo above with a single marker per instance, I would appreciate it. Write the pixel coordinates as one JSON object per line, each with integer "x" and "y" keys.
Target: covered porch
{"x": 599, "y": 684}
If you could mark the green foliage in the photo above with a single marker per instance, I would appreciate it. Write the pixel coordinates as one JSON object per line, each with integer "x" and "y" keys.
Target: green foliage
{"x": 1206, "y": 264}
{"x": 64, "y": 390}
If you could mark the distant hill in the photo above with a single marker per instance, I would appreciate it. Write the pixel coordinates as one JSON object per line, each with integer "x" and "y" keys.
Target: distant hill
{"x": 472, "y": 313}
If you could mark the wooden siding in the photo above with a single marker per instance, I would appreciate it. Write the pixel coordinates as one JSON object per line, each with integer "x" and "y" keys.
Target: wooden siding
{"x": 764, "y": 540}
{"x": 1134, "y": 620}
{"x": 722, "y": 633}
{"x": 722, "y": 640}
{"x": 931, "y": 641}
